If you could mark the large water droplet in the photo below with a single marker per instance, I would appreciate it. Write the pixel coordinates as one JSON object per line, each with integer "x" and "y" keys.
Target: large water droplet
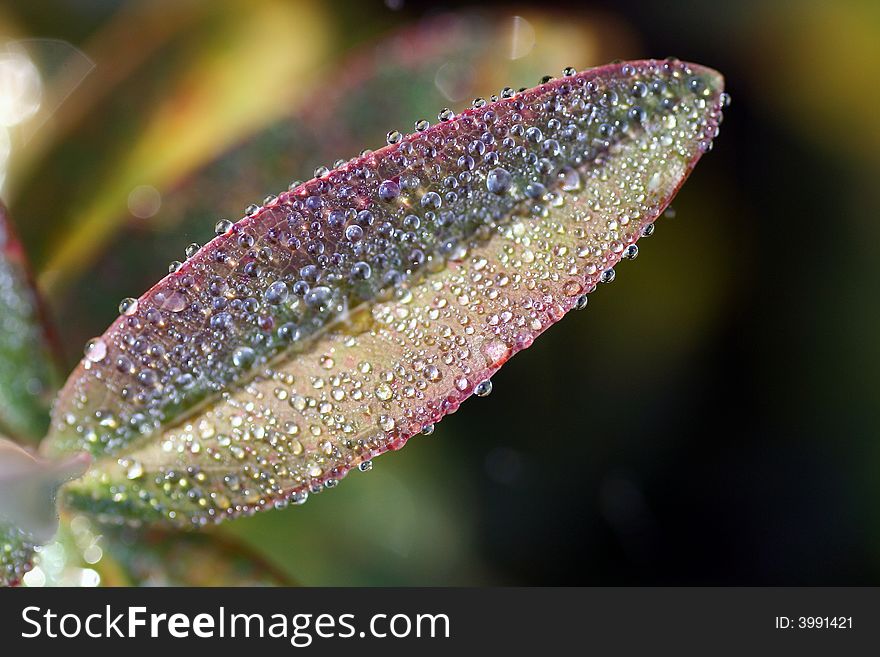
{"x": 96, "y": 350}
{"x": 276, "y": 293}
{"x": 498, "y": 181}
{"x": 389, "y": 190}
{"x": 483, "y": 389}
{"x": 243, "y": 357}
{"x": 128, "y": 306}
{"x": 172, "y": 301}
{"x": 134, "y": 471}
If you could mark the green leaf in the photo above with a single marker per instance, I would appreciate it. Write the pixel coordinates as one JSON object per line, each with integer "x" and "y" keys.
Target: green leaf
{"x": 28, "y": 377}
{"x": 154, "y": 557}
{"x": 28, "y": 516}
{"x": 344, "y": 317}
{"x": 85, "y": 553}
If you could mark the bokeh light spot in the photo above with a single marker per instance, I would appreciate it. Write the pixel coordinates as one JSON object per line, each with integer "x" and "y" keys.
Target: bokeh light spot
{"x": 144, "y": 201}
{"x": 21, "y": 89}
{"x": 522, "y": 37}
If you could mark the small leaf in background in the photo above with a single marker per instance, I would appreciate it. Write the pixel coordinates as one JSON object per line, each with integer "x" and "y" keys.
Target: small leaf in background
{"x": 65, "y": 69}
{"x": 162, "y": 558}
{"x": 28, "y": 377}
{"x": 251, "y": 41}
{"x": 85, "y": 553}
{"x": 338, "y": 320}
{"x": 28, "y": 516}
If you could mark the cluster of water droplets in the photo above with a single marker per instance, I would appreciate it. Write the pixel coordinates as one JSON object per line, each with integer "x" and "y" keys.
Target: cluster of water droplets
{"x": 16, "y": 551}
{"x": 424, "y": 265}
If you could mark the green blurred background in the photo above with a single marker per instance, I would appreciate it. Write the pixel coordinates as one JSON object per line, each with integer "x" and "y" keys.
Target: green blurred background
{"x": 737, "y": 444}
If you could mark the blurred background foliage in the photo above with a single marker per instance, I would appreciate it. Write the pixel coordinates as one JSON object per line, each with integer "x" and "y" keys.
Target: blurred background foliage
{"x": 734, "y": 445}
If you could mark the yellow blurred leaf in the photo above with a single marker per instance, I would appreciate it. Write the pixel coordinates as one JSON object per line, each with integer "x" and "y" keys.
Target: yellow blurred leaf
{"x": 260, "y": 60}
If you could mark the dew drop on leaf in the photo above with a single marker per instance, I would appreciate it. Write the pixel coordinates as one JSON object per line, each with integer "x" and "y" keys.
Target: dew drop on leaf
{"x": 128, "y": 306}
{"x": 483, "y": 389}
{"x": 95, "y": 350}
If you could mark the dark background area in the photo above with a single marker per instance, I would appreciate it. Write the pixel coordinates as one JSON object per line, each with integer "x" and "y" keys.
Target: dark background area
{"x": 711, "y": 418}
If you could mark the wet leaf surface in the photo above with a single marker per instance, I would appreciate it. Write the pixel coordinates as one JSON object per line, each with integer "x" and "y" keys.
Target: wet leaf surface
{"x": 338, "y": 320}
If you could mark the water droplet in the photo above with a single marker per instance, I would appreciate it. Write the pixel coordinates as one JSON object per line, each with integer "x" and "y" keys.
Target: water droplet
{"x": 289, "y": 332}
{"x": 498, "y": 181}
{"x": 276, "y": 293}
{"x": 192, "y": 249}
{"x": 172, "y": 301}
{"x": 360, "y": 271}
{"x": 319, "y": 298}
{"x": 243, "y": 357}
{"x": 581, "y": 302}
{"x": 128, "y": 306}
{"x": 96, "y": 350}
{"x": 354, "y": 233}
{"x": 535, "y": 190}
{"x": 631, "y": 252}
{"x": 636, "y": 114}
{"x": 223, "y": 226}
{"x": 569, "y": 179}
{"x": 389, "y": 190}
{"x": 365, "y": 466}
{"x": 534, "y": 135}
{"x": 383, "y": 391}
{"x": 393, "y": 137}
{"x": 496, "y": 353}
{"x": 432, "y": 201}
{"x": 483, "y": 389}
{"x": 134, "y": 471}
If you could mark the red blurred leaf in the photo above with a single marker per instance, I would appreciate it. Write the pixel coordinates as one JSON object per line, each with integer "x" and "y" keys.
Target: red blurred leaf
{"x": 28, "y": 376}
